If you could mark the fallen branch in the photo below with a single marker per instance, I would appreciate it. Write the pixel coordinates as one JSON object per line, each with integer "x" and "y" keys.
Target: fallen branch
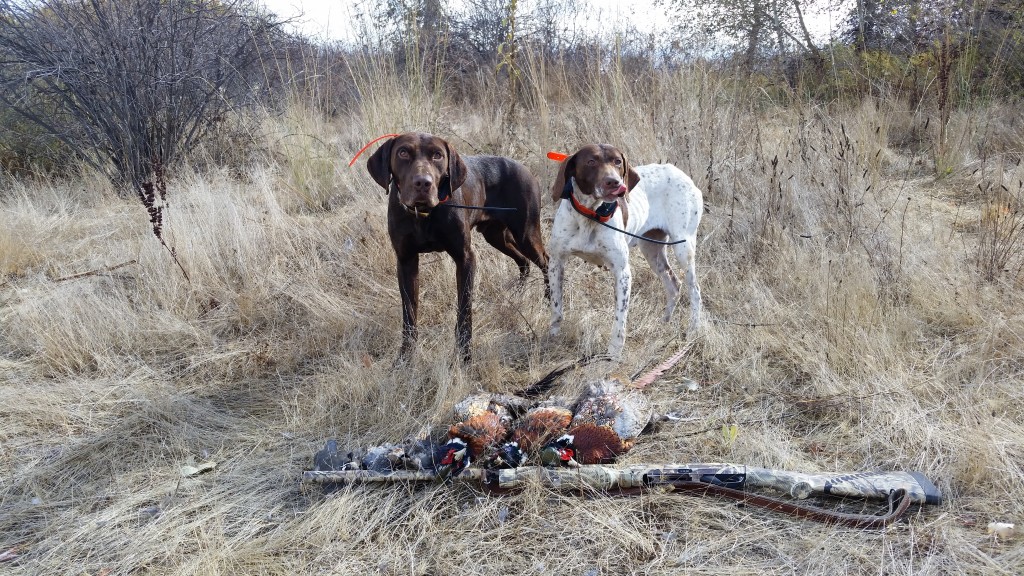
{"x": 97, "y": 271}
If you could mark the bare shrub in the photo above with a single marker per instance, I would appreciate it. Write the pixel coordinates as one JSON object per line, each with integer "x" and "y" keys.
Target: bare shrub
{"x": 134, "y": 83}
{"x": 1001, "y": 230}
{"x": 128, "y": 86}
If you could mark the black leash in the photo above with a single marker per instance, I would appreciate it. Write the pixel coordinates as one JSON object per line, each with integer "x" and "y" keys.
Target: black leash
{"x": 605, "y": 212}
{"x": 644, "y": 238}
{"x": 476, "y": 207}
{"x": 444, "y": 201}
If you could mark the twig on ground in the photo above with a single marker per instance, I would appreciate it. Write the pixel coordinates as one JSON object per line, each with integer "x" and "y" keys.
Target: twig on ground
{"x": 97, "y": 271}
{"x": 747, "y": 324}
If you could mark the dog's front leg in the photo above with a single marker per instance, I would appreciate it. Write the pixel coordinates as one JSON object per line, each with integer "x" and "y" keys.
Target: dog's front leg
{"x": 623, "y": 286}
{"x": 409, "y": 286}
{"x": 465, "y": 271}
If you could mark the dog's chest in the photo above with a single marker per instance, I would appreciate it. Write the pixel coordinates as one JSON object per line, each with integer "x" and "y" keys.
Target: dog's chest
{"x": 586, "y": 239}
{"x": 425, "y": 237}
{"x": 433, "y": 233}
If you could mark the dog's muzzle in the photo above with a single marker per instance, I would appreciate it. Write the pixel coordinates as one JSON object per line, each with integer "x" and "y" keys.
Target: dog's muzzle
{"x": 417, "y": 211}
{"x": 617, "y": 193}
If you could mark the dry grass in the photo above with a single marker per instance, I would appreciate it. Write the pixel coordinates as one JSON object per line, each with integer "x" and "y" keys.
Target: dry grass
{"x": 848, "y": 328}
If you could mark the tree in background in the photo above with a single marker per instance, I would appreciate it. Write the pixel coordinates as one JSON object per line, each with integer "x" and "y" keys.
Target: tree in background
{"x": 758, "y": 27}
{"x": 979, "y": 41}
{"x": 128, "y": 85}
{"x": 415, "y": 31}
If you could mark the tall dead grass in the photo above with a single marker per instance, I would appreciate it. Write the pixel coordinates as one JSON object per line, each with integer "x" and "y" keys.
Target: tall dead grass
{"x": 849, "y": 327}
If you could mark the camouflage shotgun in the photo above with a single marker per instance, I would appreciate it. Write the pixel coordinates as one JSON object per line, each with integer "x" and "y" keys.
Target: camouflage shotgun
{"x": 900, "y": 489}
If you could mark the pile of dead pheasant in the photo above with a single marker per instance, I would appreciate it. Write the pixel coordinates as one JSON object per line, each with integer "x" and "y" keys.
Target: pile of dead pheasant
{"x": 497, "y": 431}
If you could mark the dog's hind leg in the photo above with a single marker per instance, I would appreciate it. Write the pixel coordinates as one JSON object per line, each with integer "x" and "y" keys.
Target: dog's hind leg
{"x": 657, "y": 258}
{"x": 686, "y": 253}
{"x": 533, "y": 247}
{"x": 500, "y": 237}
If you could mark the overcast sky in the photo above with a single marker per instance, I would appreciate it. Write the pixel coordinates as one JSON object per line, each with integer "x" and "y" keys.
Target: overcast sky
{"x": 329, "y": 18}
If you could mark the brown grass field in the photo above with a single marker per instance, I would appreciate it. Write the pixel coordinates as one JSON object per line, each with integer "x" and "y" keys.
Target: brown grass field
{"x": 862, "y": 313}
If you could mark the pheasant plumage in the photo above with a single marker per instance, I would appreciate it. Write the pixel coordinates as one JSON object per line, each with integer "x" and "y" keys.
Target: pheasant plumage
{"x": 610, "y": 404}
{"x": 607, "y": 420}
{"x": 383, "y": 458}
{"x": 480, "y": 432}
{"x": 508, "y": 455}
{"x": 505, "y": 406}
{"x": 539, "y": 426}
{"x": 594, "y": 444}
{"x": 451, "y": 459}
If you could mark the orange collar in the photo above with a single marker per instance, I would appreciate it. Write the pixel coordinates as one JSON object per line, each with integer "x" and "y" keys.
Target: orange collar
{"x": 603, "y": 213}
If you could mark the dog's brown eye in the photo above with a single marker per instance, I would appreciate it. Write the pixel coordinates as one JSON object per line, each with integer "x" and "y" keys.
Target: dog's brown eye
{"x": 403, "y": 153}
{"x": 438, "y": 155}
{"x": 591, "y": 162}
{"x": 618, "y": 162}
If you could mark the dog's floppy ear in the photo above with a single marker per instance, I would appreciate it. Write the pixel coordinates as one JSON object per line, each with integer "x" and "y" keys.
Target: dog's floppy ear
{"x": 379, "y": 164}
{"x": 566, "y": 170}
{"x": 457, "y": 171}
{"x": 631, "y": 177}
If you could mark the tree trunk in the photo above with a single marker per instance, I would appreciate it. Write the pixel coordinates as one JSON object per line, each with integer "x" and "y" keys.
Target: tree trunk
{"x": 807, "y": 35}
{"x": 780, "y": 35}
{"x": 754, "y": 35}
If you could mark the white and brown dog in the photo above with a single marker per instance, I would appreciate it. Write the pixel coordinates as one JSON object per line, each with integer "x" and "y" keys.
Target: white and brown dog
{"x": 657, "y": 202}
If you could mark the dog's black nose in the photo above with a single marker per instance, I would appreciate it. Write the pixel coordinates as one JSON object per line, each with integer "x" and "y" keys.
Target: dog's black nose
{"x": 422, "y": 182}
{"x": 612, "y": 185}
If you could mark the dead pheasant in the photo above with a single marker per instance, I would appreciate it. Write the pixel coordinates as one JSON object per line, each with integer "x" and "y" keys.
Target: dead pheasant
{"x": 506, "y": 406}
{"x": 540, "y": 425}
{"x": 482, "y": 426}
{"x": 480, "y": 432}
{"x": 607, "y": 421}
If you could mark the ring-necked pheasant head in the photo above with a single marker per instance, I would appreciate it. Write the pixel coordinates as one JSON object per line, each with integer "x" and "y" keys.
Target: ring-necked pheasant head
{"x": 508, "y": 455}
{"x": 451, "y": 459}
{"x": 560, "y": 452}
{"x": 584, "y": 444}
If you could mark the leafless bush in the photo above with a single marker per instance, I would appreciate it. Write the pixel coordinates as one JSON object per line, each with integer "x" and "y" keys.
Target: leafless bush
{"x": 127, "y": 86}
{"x": 130, "y": 83}
{"x": 1001, "y": 230}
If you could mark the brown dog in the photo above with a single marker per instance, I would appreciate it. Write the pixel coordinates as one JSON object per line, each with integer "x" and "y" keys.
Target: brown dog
{"x": 425, "y": 179}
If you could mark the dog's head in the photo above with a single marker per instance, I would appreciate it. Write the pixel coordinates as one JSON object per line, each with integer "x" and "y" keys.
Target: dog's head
{"x": 425, "y": 168}
{"x": 600, "y": 170}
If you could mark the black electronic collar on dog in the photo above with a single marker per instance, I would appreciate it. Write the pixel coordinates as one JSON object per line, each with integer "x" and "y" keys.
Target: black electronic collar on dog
{"x": 602, "y": 214}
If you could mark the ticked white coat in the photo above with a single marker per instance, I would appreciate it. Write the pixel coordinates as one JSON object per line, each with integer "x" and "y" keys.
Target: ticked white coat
{"x": 666, "y": 206}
